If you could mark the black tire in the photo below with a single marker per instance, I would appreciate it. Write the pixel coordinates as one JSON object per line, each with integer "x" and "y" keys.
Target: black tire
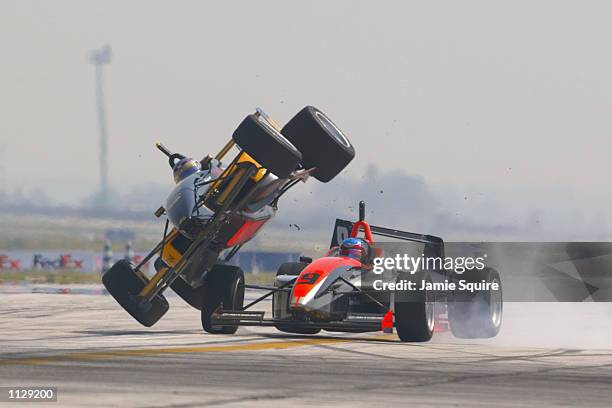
{"x": 193, "y": 297}
{"x": 414, "y": 311}
{"x": 224, "y": 288}
{"x": 476, "y": 315}
{"x": 266, "y": 145}
{"x": 122, "y": 282}
{"x": 292, "y": 269}
{"x": 323, "y": 145}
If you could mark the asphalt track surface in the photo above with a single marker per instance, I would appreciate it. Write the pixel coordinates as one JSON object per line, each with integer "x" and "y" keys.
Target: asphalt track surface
{"x": 98, "y": 356}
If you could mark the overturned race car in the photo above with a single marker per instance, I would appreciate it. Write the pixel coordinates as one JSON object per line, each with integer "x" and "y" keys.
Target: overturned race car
{"x": 218, "y": 206}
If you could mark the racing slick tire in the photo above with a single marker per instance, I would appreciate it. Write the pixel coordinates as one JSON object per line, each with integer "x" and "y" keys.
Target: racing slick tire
{"x": 266, "y": 145}
{"x": 478, "y": 314}
{"x": 193, "y": 296}
{"x": 292, "y": 269}
{"x": 323, "y": 145}
{"x": 124, "y": 284}
{"x": 415, "y": 311}
{"x": 224, "y": 288}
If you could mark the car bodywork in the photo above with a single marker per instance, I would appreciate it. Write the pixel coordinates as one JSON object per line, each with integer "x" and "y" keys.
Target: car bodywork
{"x": 223, "y": 205}
{"x": 335, "y": 292}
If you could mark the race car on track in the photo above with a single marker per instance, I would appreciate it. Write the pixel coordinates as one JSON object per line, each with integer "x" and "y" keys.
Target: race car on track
{"x": 217, "y": 207}
{"x": 337, "y": 293}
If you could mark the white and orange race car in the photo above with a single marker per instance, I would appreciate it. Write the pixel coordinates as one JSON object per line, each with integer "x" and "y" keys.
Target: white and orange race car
{"x": 339, "y": 293}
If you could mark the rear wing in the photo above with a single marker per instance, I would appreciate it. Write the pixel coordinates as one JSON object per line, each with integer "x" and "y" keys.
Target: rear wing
{"x": 434, "y": 246}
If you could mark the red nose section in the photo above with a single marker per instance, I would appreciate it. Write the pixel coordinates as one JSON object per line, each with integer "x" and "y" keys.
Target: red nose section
{"x": 316, "y": 272}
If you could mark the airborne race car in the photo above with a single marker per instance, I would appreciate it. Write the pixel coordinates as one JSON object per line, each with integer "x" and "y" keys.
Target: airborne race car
{"x": 217, "y": 207}
{"x": 336, "y": 293}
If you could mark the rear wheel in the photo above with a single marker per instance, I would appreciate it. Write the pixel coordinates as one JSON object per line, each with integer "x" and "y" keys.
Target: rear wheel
{"x": 266, "y": 145}
{"x": 478, "y": 314}
{"x": 124, "y": 284}
{"x": 292, "y": 269}
{"x": 414, "y": 311}
{"x": 224, "y": 289}
{"x": 322, "y": 144}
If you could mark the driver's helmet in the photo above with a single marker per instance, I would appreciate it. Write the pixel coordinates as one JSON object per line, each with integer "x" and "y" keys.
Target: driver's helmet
{"x": 185, "y": 168}
{"x": 356, "y": 248}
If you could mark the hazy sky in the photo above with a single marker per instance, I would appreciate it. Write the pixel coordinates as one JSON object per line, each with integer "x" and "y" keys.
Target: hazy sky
{"x": 493, "y": 96}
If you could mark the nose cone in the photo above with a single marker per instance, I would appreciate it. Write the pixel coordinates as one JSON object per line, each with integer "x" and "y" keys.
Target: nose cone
{"x": 315, "y": 279}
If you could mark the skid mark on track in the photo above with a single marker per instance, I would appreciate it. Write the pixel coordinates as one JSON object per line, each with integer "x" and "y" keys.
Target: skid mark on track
{"x": 105, "y": 355}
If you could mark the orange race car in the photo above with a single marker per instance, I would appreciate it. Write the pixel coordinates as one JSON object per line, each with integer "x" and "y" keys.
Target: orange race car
{"x": 342, "y": 292}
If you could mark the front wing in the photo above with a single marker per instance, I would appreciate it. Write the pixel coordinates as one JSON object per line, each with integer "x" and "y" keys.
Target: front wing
{"x": 353, "y": 322}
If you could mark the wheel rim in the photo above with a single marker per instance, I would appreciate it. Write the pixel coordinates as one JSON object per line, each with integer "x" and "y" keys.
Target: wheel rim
{"x": 278, "y": 134}
{"x": 333, "y": 129}
{"x": 430, "y": 310}
{"x": 496, "y": 304}
{"x": 239, "y": 295}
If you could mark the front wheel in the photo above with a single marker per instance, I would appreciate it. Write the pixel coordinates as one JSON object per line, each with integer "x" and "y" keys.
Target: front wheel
{"x": 124, "y": 284}
{"x": 223, "y": 289}
{"x": 414, "y": 311}
{"x": 280, "y": 300}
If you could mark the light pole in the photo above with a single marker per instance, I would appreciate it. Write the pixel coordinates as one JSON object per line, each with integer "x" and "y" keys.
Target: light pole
{"x": 99, "y": 58}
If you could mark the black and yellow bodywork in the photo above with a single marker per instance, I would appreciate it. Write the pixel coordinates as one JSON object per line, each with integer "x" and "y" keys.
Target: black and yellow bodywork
{"x": 233, "y": 203}
{"x": 236, "y": 181}
{"x": 216, "y": 207}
